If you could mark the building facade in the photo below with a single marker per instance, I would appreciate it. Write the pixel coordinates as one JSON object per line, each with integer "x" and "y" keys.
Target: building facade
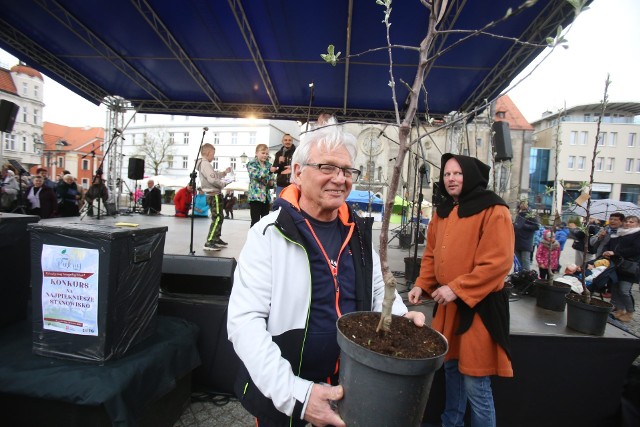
{"x": 24, "y": 87}
{"x": 564, "y": 143}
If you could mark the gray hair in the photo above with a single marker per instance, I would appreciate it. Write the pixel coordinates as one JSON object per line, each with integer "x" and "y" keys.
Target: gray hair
{"x": 327, "y": 138}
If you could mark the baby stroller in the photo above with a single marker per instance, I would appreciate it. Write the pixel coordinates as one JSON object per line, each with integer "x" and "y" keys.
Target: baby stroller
{"x": 602, "y": 283}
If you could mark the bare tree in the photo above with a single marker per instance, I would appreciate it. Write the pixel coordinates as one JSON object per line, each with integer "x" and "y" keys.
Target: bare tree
{"x": 156, "y": 148}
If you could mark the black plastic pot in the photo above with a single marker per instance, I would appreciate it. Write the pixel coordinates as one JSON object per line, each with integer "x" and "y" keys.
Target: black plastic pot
{"x": 411, "y": 268}
{"x": 587, "y": 318}
{"x": 551, "y": 296}
{"x": 382, "y": 390}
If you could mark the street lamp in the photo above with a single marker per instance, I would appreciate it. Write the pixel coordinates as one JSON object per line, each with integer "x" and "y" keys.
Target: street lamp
{"x": 243, "y": 159}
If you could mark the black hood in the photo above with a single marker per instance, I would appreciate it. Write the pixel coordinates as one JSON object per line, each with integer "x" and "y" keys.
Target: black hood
{"x": 474, "y": 197}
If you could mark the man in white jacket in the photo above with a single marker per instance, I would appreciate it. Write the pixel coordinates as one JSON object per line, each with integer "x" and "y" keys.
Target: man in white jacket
{"x": 302, "y": 267}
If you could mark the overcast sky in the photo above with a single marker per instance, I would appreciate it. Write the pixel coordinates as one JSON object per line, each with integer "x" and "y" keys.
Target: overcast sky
{"x": 604, "y": 39}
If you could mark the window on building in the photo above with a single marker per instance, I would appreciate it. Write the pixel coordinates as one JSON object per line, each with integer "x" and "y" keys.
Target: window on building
{"x": 628, "y": 165}
{"x": 234, "y": 138}
{"x": 24, "y": 144}
{"x": 25, "y": 89}
{"x": 379, "y": 173}
{"x": 587, "y": 117}
{"x": 583, "y": 137}
{"x": 170, "y": 162}
{"x": 216, "y": 138}
{"x": 371, "y": 167}
{"x": 573, "y": 137}
{"x": 501, "y": 114}
{"x": 85, "y": 165}
{"x": 252, "y": 138}
{"x": 572, "y": 162}
{"x": 85, "y": 183}
{"x": 581, "y": 161}
{"x": 36, "y": 113}
{"x": 25, "y": 114}
{"x": 185, "y": 139}
{"x": 185, "y": 162}
{"x": 233, "y": 163}
{"x": 172, "y": 138}
{"x": 613, "y": 139}
{"x": 637, "y": 165}
{"x": 631, "y": 142}
{"x": 478, "y": 142}
{"x": 599, "y": 163}
{"x": 602, "y": 137}
{"x": 611, "y": 164}
{"x": 36, "y": 91}
{"x": 214, "y": 164}
{"x": 61, "y": 162}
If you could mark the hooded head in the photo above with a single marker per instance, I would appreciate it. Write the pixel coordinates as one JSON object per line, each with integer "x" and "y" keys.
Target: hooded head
{"x": 474, "y": 196}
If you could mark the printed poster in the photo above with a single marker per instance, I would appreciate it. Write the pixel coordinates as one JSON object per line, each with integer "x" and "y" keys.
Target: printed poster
{"x": 70, "y": 289}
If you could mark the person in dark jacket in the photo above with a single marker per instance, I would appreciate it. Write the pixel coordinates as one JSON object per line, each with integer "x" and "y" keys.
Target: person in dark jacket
{"x": 152, "y": 199}
{"x": 525, "y": 226}
{"x": 579, "y": 240}
{"x": 41, "y": 199}
{"x": 68, "y": 196}
{"x": 624, "y": 245}
{"x": 282, "y": 163}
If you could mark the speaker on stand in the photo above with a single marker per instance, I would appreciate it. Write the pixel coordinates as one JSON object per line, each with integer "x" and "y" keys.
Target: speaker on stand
{"x": 8, "y": 114}
{"x": 135, "y": 172}
{"x": 502, "y": 141}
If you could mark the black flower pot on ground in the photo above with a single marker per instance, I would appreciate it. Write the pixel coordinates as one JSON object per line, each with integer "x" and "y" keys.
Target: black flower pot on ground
{"x": 588, "y": 318}
{"x": 379, "y": 389}
{"x": 551, "y": 296}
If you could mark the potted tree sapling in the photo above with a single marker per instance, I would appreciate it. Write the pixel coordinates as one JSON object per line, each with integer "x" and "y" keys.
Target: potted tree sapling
{"x": 585, "y": 314}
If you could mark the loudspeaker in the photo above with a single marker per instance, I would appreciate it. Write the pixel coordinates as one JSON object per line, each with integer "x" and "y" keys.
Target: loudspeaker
{"x": 8, "y": 114}
{"x": 187, "y": 274}
{"x": 136, "y": 168}
{"x": 502, "y": 141}
{"x": 219, "y": 361}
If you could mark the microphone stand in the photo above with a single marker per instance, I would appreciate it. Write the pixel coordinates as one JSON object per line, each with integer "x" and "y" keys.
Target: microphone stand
{"x": 98, "y": 175}
{"x": 192, "y": 182}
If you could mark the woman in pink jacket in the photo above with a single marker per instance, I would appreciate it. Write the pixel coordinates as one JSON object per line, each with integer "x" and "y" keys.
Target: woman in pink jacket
{"x": 548, "y": 255}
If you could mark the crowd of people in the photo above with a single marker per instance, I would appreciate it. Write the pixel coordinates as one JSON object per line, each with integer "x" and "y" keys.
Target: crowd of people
{"x": 38, "y": 195}
{"x": 612, "y": 247}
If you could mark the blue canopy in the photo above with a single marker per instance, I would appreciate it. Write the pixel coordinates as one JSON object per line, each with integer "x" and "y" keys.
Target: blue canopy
{"x": 360, "y": 200}
{"x": 239, "y": 58}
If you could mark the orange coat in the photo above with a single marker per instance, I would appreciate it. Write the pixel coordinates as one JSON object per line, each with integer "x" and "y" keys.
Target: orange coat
{"x": 472, "y": 256}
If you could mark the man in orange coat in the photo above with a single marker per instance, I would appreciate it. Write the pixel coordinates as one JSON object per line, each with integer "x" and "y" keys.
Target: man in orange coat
{"x": 469, "y": 253}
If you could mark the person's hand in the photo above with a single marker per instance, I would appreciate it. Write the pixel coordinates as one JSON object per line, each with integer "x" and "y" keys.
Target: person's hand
{"x": 444, "y": 295}
{"x": 319, "y": 411}
{"x": 273, "y": 169}
{"x": 414, "y": 295}
{"x": 417, "y": 317}
{"x": 607, "y": 254}
{"x": 286, "y": 170}
{"x": 602, "y": 233}
{"x": 228, "y": 170}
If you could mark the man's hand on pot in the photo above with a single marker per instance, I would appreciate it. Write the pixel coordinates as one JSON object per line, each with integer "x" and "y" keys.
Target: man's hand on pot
{"x": 319, "y": 411}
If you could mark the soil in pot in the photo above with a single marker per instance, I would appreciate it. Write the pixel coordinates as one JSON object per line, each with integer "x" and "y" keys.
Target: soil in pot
{"x": 386, "y": 378}
{"x": 405, "y": 340}
{"x": 551, "y": 296}
{"x": 587, "y": 317}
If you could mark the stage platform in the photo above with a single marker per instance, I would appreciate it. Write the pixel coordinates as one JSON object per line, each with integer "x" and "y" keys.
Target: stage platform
{"x": 561, "y": 377}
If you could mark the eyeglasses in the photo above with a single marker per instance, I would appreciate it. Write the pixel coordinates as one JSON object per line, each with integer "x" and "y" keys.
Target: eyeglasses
{"x": 327, "y": 169}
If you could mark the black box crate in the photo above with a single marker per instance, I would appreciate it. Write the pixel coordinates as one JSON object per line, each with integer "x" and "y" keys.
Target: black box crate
{"x": 130, "y": 266}
{"x": 14, "y": 266}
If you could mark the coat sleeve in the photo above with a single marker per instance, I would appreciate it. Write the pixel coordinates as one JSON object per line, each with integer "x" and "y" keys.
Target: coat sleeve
{"x": 249, "y": 310}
